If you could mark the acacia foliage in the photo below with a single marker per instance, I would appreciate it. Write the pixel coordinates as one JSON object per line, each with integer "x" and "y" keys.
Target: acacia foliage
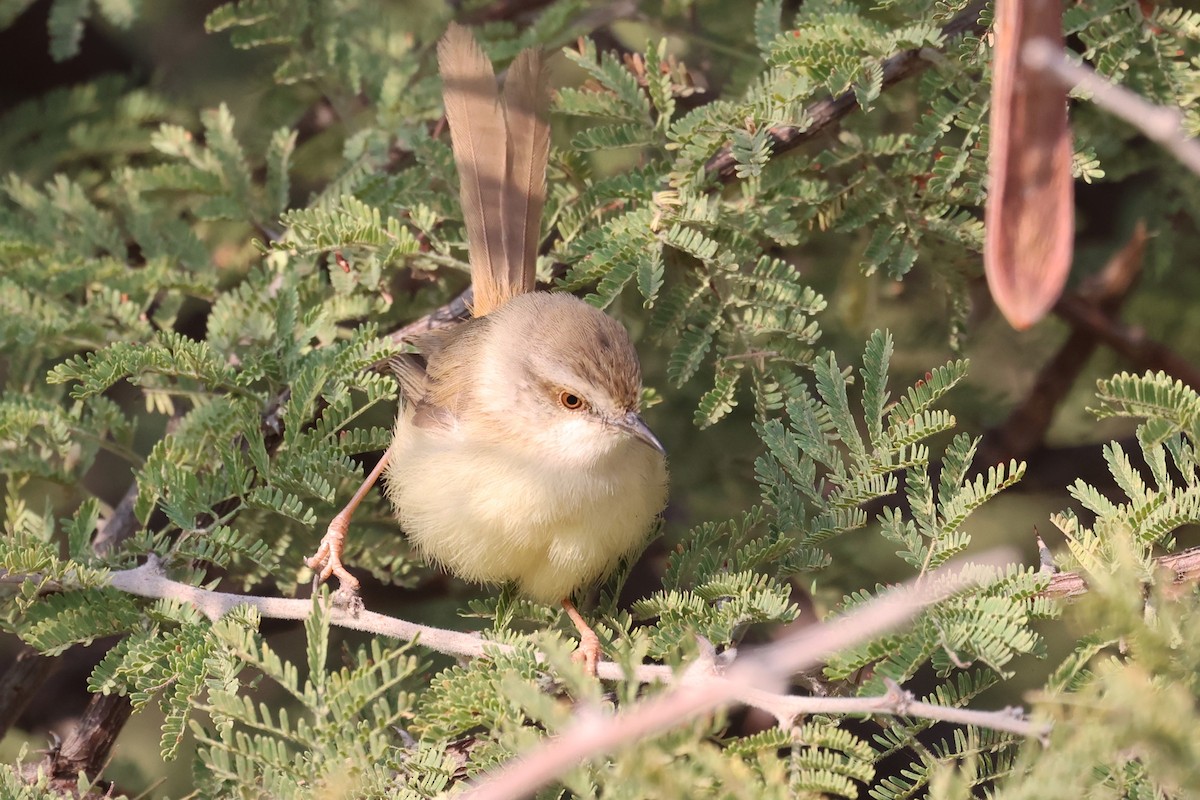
{"x": 145, "y": 245}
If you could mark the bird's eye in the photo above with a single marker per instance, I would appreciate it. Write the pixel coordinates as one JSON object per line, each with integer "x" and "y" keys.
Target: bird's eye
{"x": 570, "y": 401}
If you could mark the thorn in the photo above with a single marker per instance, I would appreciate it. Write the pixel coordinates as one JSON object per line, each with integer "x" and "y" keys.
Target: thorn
{"x": 1045, "y": 557}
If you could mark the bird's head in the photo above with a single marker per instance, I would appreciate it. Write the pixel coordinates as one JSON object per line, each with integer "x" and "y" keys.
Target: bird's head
{"x": 567, "y": 377}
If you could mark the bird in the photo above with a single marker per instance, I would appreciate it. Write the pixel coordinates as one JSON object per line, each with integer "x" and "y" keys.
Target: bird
{"x": 519, "y": 453}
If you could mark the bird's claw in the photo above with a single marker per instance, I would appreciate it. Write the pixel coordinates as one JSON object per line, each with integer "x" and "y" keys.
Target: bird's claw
{"x": 588, "y": 652}
{"x": 327, "y": 561}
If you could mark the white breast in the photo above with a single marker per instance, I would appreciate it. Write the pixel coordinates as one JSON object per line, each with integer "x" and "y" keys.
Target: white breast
{"x": 522, "y": 512}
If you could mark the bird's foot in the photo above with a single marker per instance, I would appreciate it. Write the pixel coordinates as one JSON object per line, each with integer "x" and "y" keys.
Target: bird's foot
{"x": 588, "y": 653}
{"x": 589, "y": 643}
{"x": 327, "y": 562}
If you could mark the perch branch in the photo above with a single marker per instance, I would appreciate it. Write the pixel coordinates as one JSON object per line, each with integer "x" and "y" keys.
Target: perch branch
{"x": 149, "y": 581}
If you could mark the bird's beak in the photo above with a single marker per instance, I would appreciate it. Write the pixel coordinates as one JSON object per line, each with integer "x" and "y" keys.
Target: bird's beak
{"x": 638, "y": 428}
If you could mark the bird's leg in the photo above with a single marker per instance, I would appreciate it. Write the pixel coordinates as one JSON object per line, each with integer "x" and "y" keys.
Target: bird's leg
{"x": 327, "y": 560}
{"x": 589, "y": 642}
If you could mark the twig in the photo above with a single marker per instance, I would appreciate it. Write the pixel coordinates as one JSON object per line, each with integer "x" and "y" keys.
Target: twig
{"x": 120, "y": 526}
{"x": 589, "y": 736}
{"x": 1131, "y": 342}
{"x": 453, "y": 312}
{"x": 1158, "y": 123}
{"x": 499, "y": 10}
{"x": 896, "y": 702}
{"x": 823, "y": 114}
{"x": 1184, "y": 565}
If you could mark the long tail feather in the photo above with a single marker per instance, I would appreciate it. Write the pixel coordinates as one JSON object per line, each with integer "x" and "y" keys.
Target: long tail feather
{"x": 477, "y": 135}
{"x": 526, "y": 108}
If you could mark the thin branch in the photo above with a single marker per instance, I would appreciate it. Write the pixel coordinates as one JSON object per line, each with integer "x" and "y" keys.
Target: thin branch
{"x": 825, "y": 113}
{"x": 149, "y": 581}
{"x": 120, "y": 526}
{"x": 503, "y": 10}
{"x": 1158, "y": 123}
{"x": 1130, "y": 341}
{"x": 896, "y": 702}
{"x": 591, "y": 735}
{"x": 457, "y": 310}
{"x": 1184, "y": 567}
